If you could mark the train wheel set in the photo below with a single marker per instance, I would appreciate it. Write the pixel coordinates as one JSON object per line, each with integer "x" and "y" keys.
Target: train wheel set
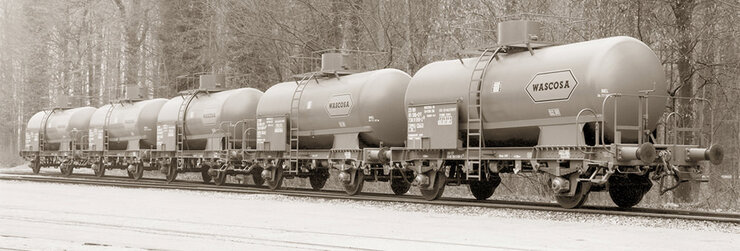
{"x": 583, "y": 114}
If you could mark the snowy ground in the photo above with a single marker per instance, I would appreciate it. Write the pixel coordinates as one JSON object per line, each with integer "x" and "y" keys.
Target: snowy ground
{"x": 55, "y": 216}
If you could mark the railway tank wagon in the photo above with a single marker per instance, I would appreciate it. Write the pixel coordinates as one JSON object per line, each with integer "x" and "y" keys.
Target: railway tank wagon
{"x": 207, "y": 129}
{"x": 583, "y": 113}
{"x": 123, "y": 135}
{"x": 526, "y": 97}
{"x": 326, "y": 120}
{"x": 56, "y": 138}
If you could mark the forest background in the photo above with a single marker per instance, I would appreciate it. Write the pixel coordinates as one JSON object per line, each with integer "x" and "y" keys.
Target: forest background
{"x": 87, "y": 50}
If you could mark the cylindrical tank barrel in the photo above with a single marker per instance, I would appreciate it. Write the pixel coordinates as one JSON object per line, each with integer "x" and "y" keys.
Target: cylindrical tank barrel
{"x": 521, "y": 91}
{"x": 130, "y": 122}
{"x": 209, "y": 116}
{"x": 62, "y": 127}
{"x": 368, "y": 103}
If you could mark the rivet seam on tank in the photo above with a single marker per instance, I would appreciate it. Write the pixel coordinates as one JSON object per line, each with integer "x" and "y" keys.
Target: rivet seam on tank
{"x": 551, "y": 86}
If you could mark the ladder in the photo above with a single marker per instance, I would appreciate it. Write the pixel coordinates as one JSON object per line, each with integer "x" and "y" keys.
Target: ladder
{"x": 474, "y": 134}
{"x": 180, "y": 124}
{"x": 295, "y": 104}
{"x": 106, "y": 124}
{"x": 42, "y": 130}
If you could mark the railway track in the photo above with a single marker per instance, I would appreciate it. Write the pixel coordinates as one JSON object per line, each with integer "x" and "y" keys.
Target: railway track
{"x": 461, "y": 202}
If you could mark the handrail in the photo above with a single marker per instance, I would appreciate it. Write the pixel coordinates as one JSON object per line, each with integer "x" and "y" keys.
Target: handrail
{"x": 230, "y": 132}
{"x": 75, "y": 134}
{"x": 244, "y": 136}
{"x": 82, "y": 145}
{"x": 227, "y": 133}
{"x": 603, "y": 111}
{"x": 667, "y": 118}
{"x": 645, "y": 112}
{"x": 234, "y": 126}
{"x": 578, "y": 123}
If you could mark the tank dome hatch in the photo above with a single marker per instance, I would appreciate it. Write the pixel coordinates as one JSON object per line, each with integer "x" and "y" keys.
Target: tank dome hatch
{"x": 336, "y": 63}
{"x": 202, "y": 82}
{"x": 212, "y": 82}
{"x": 61, "y": 102}
{"x": 132, "y": 93}
{"x": 520, "y": 33}
{"x": 514, "y": 34}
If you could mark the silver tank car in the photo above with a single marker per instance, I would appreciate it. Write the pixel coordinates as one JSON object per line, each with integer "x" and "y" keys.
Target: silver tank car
{"x": 62, "y": 126}
{"x": 362, "y": 109}
{"x": 523, "y": 94}
{"x": 131, "y": 126}
{"x": 208, "y": 118}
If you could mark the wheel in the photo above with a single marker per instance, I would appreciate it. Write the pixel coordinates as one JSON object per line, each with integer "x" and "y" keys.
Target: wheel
{"x": 66, "y": 170}
{"x": 483, "y": 189}
{"x": 277, "y": 178}
{"x": 576, "y": 200}
{"x": 138, "y": 171}
{"x": 204, "y": 174}
{"x": 356, "y": 187}
{"x": 171, "y": 171}
{"x": 318, "y": 179}
{"x": 400, "y": 186}
{"x": 627, "y": 190}
{"x": 98, "y": 169}
{"x": 436, "y": 191}
{"x": 36, "y": 165}
{"x": 257, "y": 176}
{"x": 220, "y": 178}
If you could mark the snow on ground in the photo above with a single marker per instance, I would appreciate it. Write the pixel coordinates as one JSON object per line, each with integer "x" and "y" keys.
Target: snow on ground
{"x": 57, "y": 216}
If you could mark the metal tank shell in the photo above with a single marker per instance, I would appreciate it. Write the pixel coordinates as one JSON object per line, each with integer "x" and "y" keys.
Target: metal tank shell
{"x": 522, "y": 92}
{"x": 368, "y": 104}
{"x": 131, "y": 126}
{"x": 208, "y": 118}
{"x": 62, "y": 126}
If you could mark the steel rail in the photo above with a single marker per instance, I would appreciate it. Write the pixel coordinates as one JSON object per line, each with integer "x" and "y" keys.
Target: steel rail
{"x": 337, "y": 195}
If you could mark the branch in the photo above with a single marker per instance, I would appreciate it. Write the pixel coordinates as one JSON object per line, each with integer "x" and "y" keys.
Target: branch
{"x": 121, "y": 8}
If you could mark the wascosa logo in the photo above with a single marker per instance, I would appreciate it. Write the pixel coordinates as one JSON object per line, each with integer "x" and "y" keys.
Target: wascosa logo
{"x": 339, "y": 105}
{"x": 552, "y": 86}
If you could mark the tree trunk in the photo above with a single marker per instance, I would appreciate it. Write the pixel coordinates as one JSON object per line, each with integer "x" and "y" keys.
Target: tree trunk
{"x": 683, "y": 12}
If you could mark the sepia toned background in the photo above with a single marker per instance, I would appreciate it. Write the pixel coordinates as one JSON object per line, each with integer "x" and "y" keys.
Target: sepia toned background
{"x": 88, "y": 49}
